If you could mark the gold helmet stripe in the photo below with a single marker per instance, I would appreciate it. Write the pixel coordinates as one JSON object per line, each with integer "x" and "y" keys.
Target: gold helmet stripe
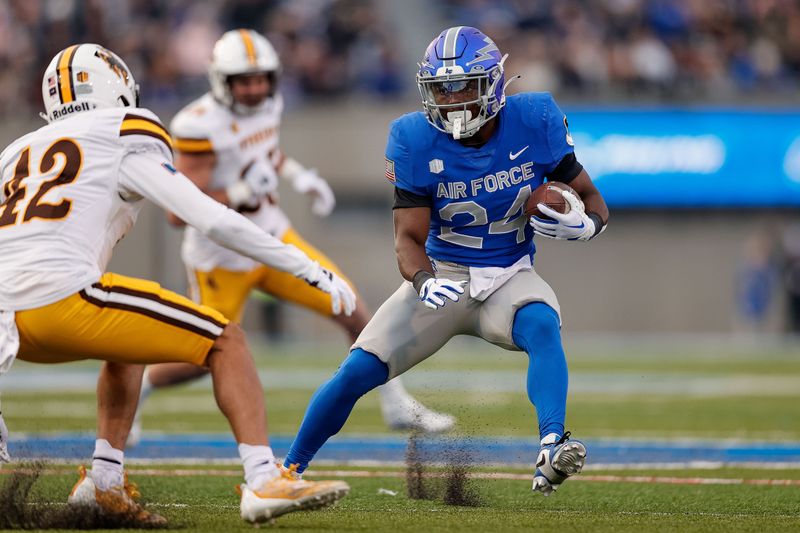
{"x": 66, "y": 89}
{"x": 249, "y": 47}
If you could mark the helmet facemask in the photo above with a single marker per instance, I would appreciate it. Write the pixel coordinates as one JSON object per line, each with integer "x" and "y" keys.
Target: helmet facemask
{"x": 242, "y": 108}
{"x": 464, "y": 118}
{"x": 461, "y": 56}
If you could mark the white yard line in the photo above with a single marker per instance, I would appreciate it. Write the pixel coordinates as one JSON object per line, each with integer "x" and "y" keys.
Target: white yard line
{"x": 655, "y": 480}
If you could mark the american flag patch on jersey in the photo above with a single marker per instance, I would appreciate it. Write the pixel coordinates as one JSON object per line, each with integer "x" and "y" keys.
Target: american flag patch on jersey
{"x": 390, "y": 170}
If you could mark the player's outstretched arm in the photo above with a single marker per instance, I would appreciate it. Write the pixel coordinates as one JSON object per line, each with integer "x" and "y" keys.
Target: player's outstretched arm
{"x": 199, "y": 168}
{"x": 411, "y": 226}
{"x": 148, "y": 175}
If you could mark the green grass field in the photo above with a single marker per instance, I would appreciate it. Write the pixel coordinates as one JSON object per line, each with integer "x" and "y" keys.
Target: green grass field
{"x": 676, "y": 392}
{"x": 208, "y": 503}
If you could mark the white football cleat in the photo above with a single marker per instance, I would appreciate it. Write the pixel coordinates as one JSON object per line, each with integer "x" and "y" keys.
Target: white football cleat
{"x": 403, "y": 412}
{"x": 117, "y": 501}
{"x": 287, "y": 493}
{"x": 4, "y": 455}
{"x": 414, "y": 416}
{"x": 556, "y": 462}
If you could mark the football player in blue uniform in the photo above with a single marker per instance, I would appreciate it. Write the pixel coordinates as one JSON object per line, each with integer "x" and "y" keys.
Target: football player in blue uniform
{"x": 463, "y": 170}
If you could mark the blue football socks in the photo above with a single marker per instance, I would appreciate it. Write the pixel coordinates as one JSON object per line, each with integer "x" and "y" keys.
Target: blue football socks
{"x": 537, "y": 331}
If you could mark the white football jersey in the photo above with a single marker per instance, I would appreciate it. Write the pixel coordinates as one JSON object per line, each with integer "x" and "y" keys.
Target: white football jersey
{"x": 62, "y": 209}
{"x": 206, "y": 126}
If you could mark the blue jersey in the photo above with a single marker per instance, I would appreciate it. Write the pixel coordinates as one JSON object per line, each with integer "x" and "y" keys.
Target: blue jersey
{"x": 478, "y": 194}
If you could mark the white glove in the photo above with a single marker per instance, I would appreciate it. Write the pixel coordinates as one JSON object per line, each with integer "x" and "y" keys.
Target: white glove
{"x": 259, "y": 179}
{"x": 434, "y": 291}
{"x": 573, "y": 225}
{"x": 310, "y": 183}
{"x": 326, "y": 281}
{"x": 4, "y": 457}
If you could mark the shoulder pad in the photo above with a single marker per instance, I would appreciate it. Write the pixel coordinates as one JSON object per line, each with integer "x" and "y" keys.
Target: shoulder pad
{"x": 143, "y": 126}
{"x": 534, "y": 108}
{"x": 194, "y": 125}
{"x": 415, "y": 129}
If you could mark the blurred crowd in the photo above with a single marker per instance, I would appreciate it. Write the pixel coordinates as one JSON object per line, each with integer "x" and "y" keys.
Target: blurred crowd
{"x": 651, "y": 50}
{"x": 328, "y": 47}
{"x": 707, "y": 50}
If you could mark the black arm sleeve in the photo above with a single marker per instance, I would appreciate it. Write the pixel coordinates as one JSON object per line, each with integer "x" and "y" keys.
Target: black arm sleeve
{"x": 566, "y": 170}
{"x": 403, "y": 198}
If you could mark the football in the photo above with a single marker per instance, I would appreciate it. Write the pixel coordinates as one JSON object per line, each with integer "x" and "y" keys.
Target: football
{"x": 548, "y": 194}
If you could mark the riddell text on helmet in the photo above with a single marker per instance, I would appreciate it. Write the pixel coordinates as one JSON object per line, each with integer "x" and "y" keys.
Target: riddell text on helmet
{"x": 73, "y": 108}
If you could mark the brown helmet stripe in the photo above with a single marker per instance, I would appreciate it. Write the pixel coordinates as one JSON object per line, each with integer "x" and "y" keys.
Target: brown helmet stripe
{"x": 66, "y": 87}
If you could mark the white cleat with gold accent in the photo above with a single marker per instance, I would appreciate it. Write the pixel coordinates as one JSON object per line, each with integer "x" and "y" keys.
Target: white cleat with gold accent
{"x": 287, "y": 493}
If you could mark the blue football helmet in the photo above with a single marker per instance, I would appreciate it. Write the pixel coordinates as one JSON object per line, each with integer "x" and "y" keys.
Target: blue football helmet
{"x": 461, "y": 58}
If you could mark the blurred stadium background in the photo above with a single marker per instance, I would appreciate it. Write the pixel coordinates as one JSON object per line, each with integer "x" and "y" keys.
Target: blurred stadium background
{"x": 685, "y": 112}
{"x": 681, "y": 321}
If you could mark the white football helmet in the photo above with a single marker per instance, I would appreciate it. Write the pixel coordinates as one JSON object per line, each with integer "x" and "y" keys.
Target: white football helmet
{"x": 86, "y": 76}
{"x": 241, "y": 52}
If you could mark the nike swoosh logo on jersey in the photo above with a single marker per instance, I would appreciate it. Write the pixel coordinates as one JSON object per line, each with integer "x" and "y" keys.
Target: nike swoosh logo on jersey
{"x": 513, "y": 156}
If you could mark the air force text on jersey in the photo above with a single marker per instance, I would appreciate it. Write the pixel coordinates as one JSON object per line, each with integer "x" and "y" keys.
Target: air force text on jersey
{"x": 498, "y": 181}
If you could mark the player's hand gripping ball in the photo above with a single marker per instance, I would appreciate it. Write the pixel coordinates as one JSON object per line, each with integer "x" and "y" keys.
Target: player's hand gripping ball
{"x": 550, "y": 195}
{"x": 557, "y": 212}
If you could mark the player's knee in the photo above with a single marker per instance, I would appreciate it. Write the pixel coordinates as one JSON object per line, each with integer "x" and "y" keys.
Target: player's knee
{"x": 536, "y": 323}
{"x": 361, "y": 372}
{"x": 231, "y": 339}
{"x": 123, "y": 370}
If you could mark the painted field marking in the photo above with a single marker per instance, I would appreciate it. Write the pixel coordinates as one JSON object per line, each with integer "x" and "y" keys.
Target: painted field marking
{"x": 656, "y": 480}
{"x": 388, "y": 449}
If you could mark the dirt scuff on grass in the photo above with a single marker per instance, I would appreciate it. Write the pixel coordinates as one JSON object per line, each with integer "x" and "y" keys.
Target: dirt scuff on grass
{"x": 451, "y": 485}
{"x": 17, "y": 511}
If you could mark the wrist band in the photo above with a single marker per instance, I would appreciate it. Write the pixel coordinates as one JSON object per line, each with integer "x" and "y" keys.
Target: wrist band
{"x": 420, "y": 278}
{"x": 598, "y": 223}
